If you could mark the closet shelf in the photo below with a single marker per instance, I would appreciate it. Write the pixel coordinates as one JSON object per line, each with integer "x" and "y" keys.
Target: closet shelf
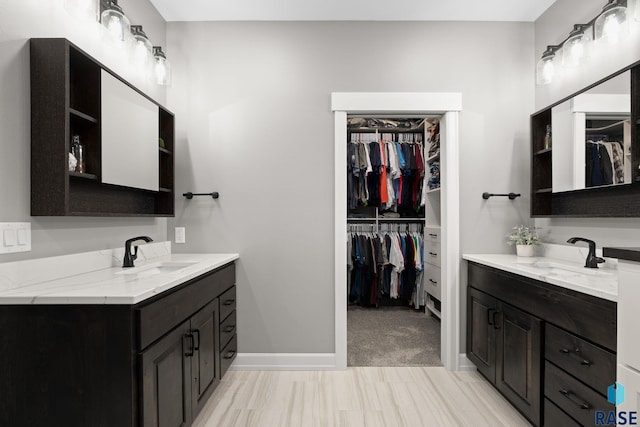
{"x": 435, "y": 190}
{"x": 84, "y": 175}
{"x": 82, "y": 115}
{"x": 164, "y": 190}
{"x": 545, "y": 151}
{"x": 544, "y": 190}
{"x": 381, "y": 219}
{"x": 164, "y": 150}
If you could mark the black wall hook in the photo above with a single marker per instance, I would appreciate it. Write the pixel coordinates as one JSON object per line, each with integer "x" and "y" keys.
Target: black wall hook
{"x": 190, "y": 195}
{"x": 511, "y": 196}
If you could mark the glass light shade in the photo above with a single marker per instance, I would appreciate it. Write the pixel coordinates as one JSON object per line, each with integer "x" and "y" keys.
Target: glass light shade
{"x": 141, "y": 47}
{"x": 612, "y": 24}
{"x": 115, "y": 23}
{"x": 162, "y": 67}
{"x": 546, "y": 68}
{"x": 575, "y": 49}
{"x": 85, "y": 10}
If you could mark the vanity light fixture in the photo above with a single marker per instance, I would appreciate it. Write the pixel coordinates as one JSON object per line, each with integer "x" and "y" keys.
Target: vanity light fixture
{"x": 141, "y": 47}
{"x": 575, "y": 48}
{"x": 546, "y": 68}
{"x": 114, "y": 22}
{"x": 607, "y": 28}
{"x": 612, "y": 24}
{"x": 162, "y": 67}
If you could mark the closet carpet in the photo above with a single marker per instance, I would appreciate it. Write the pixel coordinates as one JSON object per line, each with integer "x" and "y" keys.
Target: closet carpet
{"x": 392, "y": 336}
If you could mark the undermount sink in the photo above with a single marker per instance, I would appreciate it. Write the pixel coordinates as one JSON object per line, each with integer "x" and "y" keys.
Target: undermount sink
{"x": 559, "y": 269}
{"x": 156, "y": 268}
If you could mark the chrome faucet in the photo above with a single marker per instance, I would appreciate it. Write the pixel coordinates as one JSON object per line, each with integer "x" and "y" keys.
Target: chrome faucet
{"x": 128, "y": 257}
{"x": 592, "y": 260}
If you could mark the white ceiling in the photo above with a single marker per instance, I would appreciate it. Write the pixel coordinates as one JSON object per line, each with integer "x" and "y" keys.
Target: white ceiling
{"x": 352, "y": 10}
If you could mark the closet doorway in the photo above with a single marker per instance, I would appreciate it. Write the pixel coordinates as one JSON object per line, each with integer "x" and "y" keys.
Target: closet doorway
{"x": 393, "y": 271}
{"x": 447, "y": 106}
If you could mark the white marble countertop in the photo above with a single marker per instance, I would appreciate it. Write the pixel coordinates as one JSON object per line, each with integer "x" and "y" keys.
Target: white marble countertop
{"x": 601, "y": 283}
{"x": 112, "y": 285}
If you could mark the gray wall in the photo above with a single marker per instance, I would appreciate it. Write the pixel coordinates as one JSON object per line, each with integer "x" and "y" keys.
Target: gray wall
{"x": 19, "y": 21}
{"x": 252, "y": 102}
{"x": 551, "y": 28}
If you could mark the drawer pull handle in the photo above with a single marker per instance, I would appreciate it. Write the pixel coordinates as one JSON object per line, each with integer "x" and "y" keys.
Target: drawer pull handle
{"x": 496, "y": 325}
{"x": 433, "y": 235}
{"x": 433, "y": 254}
{"x": 196, "y": 347}
{"x": 229, "y": 328}
{"x": 189, "y": 352}
{"x": 230, "y": 354}
{"x": 433, "y": 281}
{"x": 575, "y": 399}
{"x": 576, "y": 351}
{"x": 229, "y": 302}
{"x": 490, "y": 317}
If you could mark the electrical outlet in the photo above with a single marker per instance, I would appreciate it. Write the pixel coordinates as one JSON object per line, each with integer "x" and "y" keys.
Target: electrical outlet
{"x": 180, "y": 236}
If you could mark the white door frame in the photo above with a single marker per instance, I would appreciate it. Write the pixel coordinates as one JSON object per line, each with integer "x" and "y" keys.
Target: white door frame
{"x": 449, "y": 105}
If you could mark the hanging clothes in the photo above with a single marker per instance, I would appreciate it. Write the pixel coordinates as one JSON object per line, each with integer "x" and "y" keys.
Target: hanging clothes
{"x": 385, "y": 264}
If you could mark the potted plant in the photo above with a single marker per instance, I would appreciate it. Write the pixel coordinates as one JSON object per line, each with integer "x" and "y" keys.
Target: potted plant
{"x": 524, "y": 238}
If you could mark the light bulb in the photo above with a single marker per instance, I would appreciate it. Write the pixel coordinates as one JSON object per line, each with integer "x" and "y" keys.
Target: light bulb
{"x": 574, "y": 49}
{"x": 115, "y": 22}
{"x": 611, "y": 26}
{"x": 162, "y": 67}
{"x": 546, "y": 68}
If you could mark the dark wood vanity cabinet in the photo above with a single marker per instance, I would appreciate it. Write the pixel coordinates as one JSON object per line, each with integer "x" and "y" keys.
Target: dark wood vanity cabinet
{"x": 66, "y": 100}
{"x": 505, "y": 346}
{"x": 549, "y": 350}
{"x": 155, "y": 363}
{"x": 181, "y": 370}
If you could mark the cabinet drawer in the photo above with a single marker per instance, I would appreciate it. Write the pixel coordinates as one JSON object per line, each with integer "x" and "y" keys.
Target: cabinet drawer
{"x": 228, "y": 354}
{"x": 590, "y": 364}
{"x": 228, "y": 329}
{"x": 432, "y": 281}
{"x": 432, "y": 253}
{"x": 227, "y": 303}
{"x": 161, "y": 314}
{"x": 572, "y": 396}
{"x": 554, "y": 417}
{"x": 432, "y": 234}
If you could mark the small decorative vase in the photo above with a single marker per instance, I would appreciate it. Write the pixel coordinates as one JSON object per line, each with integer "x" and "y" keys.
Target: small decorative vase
{"x": 524, "y": 250}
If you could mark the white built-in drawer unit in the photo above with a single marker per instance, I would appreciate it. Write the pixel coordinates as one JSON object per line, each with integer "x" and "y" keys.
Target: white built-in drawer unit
{"x": 432, "y": 253}
{"x": 432, "y": 234}
{"x": 432, "y": 281}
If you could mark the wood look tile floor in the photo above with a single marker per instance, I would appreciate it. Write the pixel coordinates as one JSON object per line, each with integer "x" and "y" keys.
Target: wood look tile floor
{"x": 367, "y": 396}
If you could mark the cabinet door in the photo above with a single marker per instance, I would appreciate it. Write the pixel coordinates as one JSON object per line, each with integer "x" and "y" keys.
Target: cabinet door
{"x": 481, "y": 332}
{"x": 206, "y": 358}
{"x": 518, "y": 358}
{"x": 166, "y": 375}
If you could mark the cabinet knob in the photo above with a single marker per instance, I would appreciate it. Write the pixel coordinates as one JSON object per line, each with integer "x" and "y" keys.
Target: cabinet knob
{"x": 230, "y": 354}
{"x": 229, "y": 302}
{"x": 229, "y": 328}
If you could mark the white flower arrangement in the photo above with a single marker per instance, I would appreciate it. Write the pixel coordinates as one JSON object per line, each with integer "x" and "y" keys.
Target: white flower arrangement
{"x": 522, "y": 235}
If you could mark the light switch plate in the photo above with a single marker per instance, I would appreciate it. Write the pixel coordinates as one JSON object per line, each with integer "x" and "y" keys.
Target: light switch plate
{"x": 16, "y": 237}
{"x": 180, "y": 236}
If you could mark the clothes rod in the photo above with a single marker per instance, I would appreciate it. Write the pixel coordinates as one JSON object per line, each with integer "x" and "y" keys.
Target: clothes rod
{"x": 511, "y": 196}
{"x": 190, "y": 195}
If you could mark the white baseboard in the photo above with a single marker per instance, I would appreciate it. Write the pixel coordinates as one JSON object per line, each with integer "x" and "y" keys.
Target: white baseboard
{"x": 284, "y": 362}
{"x": 464, "y": 364}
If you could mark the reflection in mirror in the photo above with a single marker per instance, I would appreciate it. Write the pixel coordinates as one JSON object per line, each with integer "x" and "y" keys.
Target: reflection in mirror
{"x": 592, "y": 137}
